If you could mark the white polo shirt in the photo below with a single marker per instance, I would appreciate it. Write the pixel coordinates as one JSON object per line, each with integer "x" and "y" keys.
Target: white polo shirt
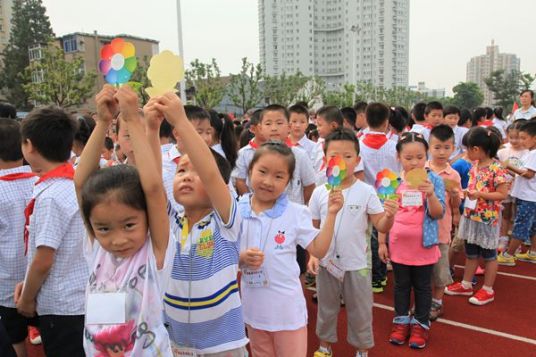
{"x": 421, "y": 129}
{"x": 375, "y": 160}
{"x": 459, "y": 132}
{"x": 14, "y": 196}
{"x": 304, "y": 174}
{"x": 348, "y": 248}
{"x": 312, "y": 148}
{"x": 281, "y": 304}
{"x": 56, "y": 223}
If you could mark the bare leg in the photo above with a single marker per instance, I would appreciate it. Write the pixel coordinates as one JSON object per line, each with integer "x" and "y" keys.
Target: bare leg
{"x": 491, "y": 273}
{"x": 470, "y": 268}
{"x": 20, "y": 349}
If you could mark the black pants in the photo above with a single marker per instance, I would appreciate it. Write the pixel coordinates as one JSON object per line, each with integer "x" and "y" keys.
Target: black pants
{"x": 62, "y": 335}
{"x": 418, "y": 278}
{"x": 379, "y": 269}
{"x": 301, "y": 257}
{"x": 5, "y": 343}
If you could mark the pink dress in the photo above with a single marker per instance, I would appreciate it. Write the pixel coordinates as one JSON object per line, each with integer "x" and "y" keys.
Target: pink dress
{"x": 405, "y": 238}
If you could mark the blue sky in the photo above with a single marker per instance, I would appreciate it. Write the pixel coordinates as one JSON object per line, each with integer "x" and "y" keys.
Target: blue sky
{"x": 444, "y": 35}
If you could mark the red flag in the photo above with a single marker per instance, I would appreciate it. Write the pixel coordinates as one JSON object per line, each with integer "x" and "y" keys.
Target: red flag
{"x": 515, "y": 107}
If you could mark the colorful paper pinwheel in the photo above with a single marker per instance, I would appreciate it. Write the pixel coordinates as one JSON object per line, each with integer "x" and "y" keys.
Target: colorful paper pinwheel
{"x": 336, "y": 172}
{"x": 386, "y": 184}
{"x": 118, "y": 61}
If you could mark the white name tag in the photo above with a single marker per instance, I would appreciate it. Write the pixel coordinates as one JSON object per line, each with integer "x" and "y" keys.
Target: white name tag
{"x": 255, "y": 278}
{"x": 412, "y": 199}
{"x": 335, "y": 270}
{"x": 182, "y": 351}
{"x": 470, "y": 204}
{"x": 106, "y": 308}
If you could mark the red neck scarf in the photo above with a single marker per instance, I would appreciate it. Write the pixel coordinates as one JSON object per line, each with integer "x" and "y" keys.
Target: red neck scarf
{"x": 64, "y": 171}
{"x": 17, "y": 176}
{"x": 375, "y": 141}
{"x": 427, "y": 125}
{"x": 255, "y": 145}
{"x": 487, "y": 123}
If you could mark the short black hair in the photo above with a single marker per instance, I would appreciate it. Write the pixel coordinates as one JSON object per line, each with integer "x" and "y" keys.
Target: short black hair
{"x": 342, "y": 134}
{"x": 451, "y": 109}
{"x": 433, "y": 106}
{"x": 193, "y": 112}
{"x": 418, "y": 111}
{"x": 489, "y": 112}
{"x": 109, "y": 143}
{"x": 166, "y": 129}
{"x": 478, "y": 114}
{"x": 360, "y": 107}
{"x": 465, "y": 116}
{"x": 529, "y": 91}
{"x": 349, "y": 115}
{"x": 274, "y": 108}
{"x": 85, "y": 128}
{"x": 223, "y": 166}
{"x": 299, "y": 109}
{"x": 377, "y": 114}
{"x": 410, "y": 137}
{"x": 516, "y": 125}
{"x": 51, "y": 131}
{"x": 498, "y": 111}
{"x": 484, "y": 138}
{"x": 529, "y": 127}
{"x": 255, "y": 118}
{"x": 331, "y": 114}
{"x": 10, "y": 149}
{"x": 303, "y": 104}
{"x": 442, "y": 133}
{"x": 8, "y": 111}
{"x": 398, "y": 118}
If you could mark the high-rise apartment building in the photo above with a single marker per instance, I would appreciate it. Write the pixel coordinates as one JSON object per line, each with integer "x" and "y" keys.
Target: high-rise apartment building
{"x": 480, "y": 67}
{"x": 342, "y": 41}
{"x": 6, "y": 9}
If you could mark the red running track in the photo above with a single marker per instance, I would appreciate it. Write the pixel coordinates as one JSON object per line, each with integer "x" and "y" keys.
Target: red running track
{"x": 512, "y": 312}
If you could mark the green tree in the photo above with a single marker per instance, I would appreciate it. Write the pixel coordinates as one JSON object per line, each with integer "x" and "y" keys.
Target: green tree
{"x": 467, "y": 95}
{"x": 207, "y": 81}
{"x": 312, "y": 91}
{"x": 245, "y": 88}
{"x": 284, "y": 89}
{"x": 30, "y": 27}
{"x": 139, "y": 80}
{"x": 506, "y": 86}
{"x": 342, "y": 98}
{"x": 54, "y": 80}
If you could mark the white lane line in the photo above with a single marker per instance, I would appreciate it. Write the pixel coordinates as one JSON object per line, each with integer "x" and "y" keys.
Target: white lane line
{"x": 506, "y": 274}
{"x": 471, "y": 327}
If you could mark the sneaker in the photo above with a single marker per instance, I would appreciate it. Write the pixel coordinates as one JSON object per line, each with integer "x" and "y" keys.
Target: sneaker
{"x": 480, "y": 271}
{"x": 504, "y": 260}
{"x": 458, "y": 289}
{"x": 419, "y": 336}
{"x": 482, "y": 297}
{"x": 319, "y": 353}
{"x": 377, "y": 287}
{"x": 435, "y": 311}
{"x": 526, "y": 257}
{"x": 399, "y": 334}
{"x": 34, "y": 335}
{"x": 384, "y": 281}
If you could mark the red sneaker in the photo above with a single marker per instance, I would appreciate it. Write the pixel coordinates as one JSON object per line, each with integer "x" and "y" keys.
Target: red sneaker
{"x": 482, "y": 297}
{"x": 399, "y": 334}
{"x": 458, "y": 289}
{"x": 34, "y": 335}
{"x": 419, "y": 336}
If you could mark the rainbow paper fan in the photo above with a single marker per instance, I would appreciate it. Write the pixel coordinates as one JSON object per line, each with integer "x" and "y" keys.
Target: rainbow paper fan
{"x": 118, "y": 61}
{"x": 386, "y": 184}
{"x": 336, "y": 172}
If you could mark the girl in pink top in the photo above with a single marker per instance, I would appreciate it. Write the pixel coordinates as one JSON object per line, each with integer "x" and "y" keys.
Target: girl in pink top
{"x": 410, "y": 251}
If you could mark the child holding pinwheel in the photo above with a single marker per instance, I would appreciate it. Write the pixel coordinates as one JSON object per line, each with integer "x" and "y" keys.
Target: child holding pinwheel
{"x": 344, "y": 269}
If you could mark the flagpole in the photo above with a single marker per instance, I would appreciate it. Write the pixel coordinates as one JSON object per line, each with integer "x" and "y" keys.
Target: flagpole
{"x": 181, "y": 50}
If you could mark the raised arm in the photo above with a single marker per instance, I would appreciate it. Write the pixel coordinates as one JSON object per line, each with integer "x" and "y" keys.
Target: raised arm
{"x": 89, "y": 160}
{"x": 150, "y": 176}
{"x": 199, "y": 153}
{"x": 153, "y": 119}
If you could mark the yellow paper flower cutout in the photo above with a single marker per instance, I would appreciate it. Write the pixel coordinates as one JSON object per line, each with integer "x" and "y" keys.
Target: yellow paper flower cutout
{"x": 165, "y": 70}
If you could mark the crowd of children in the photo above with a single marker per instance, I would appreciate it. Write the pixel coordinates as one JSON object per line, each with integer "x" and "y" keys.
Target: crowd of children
{"x": 156, "y": 232}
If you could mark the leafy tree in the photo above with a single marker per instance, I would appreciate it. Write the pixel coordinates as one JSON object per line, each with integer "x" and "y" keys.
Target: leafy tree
{"x": 139, "y": 80}
{"x": 245, "y": 87}
{"x": 467, "y": 95}
{"x": 342, "y": 98}
{"x": 284, "y": 89}
{"x": 30, "y": 27}
{"x": 207, "y": 81}
{"x": 506, "y": 86}
{"x": 312, "y": 91}
{"x": 54, "y": 80}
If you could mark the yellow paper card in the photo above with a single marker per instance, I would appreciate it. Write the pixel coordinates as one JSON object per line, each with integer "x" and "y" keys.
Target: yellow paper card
{"x": 416, "y": 177}
{"x": 165, "y": 70}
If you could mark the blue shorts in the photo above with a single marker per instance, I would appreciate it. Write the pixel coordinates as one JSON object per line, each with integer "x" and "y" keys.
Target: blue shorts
{"x": 473, "y": 251}
{"x": 525, "y": 221}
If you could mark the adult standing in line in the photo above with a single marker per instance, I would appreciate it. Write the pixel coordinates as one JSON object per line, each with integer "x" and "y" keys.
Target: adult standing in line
{"x": 527, "y": 110}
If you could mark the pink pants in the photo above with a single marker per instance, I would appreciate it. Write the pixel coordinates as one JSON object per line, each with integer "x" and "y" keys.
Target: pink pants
{"x": 280, "y": 343}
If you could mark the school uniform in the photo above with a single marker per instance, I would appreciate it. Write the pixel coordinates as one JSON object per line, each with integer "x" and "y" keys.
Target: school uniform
{"x": 170, "y": 160}
{"x": 421, "y": 129}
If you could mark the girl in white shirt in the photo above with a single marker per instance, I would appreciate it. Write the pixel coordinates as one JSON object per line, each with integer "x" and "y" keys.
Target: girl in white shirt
{"x": 274, "y": 306}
